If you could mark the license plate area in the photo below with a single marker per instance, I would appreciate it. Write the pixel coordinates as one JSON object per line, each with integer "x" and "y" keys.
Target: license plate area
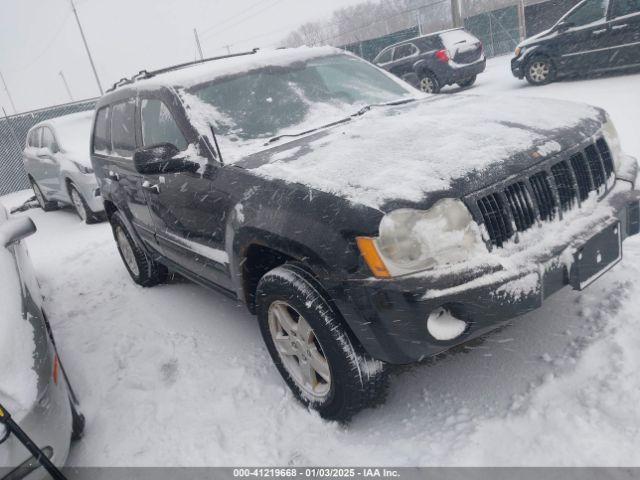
{"x": 597, "y": 255}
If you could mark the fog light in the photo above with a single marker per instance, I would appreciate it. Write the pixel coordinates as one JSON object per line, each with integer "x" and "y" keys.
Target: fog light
{"x": 442, "y": 325}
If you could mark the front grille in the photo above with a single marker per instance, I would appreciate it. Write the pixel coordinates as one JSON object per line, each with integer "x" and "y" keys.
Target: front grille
{"x": 566, "y": 184}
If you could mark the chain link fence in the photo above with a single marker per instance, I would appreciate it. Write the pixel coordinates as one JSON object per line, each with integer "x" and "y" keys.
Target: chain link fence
{"x": 13, "y": 135}
{"x": 499, "y": 30}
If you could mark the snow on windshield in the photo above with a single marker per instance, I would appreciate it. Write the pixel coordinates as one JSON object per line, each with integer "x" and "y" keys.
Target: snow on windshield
{"x": 73, "y": 132}
{"x": 18, "y": 382}
{"x": 248, "y": 110}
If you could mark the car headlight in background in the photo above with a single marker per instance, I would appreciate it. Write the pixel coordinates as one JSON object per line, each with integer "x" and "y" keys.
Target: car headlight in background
{"x": 611, "y": 136}
{"x": 413, "y": 240}
{"x": 83, "y": 168}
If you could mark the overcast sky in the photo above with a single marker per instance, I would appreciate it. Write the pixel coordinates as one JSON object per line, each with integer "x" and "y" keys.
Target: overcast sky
{"x": 40, "y": 38}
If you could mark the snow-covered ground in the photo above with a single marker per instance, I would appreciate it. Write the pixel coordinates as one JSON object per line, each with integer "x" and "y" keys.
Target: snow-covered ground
{"x": 178, "y": 375}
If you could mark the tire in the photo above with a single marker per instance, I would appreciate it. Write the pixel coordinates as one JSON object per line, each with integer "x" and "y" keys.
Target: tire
{"x": 340, "y": 379}
{"x": 77, "y": 423}
{"x": 80, "y": 206}
{"x": 467, "y": 82}
{"x": 540, "y": 70}
{"x": 45, "y": 205}
{"x": 143, "y": 269}
{"x": 429, "y": 83}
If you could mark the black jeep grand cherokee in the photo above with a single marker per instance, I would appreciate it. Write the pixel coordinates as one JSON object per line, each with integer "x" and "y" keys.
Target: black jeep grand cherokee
{"x": 364, "y": 223}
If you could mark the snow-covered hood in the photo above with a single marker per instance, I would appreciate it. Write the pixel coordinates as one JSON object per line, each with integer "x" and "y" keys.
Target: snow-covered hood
{"x": 544, "y": 35}
{"x": 442, "y": 146}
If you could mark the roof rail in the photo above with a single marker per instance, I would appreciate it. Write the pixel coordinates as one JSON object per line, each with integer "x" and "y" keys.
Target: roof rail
{"x": 142, "y": 74}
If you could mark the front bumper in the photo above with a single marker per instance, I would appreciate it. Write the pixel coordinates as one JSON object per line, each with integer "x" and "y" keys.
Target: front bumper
{"x": 517, "y": 66}
{"x": 389, "y": 317}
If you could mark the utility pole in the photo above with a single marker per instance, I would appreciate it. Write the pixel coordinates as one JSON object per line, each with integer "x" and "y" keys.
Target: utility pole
{"x": 195, "y": 33}
{"x": 419, "y": 22}
{"x": 6, "y": 89}
{"x": 228, "y": 47}
{"x": 66, "y": 85}
{"x": 13, "y": 132}
{"x": 456, "y": 13}
{"x": 86, "y": 46}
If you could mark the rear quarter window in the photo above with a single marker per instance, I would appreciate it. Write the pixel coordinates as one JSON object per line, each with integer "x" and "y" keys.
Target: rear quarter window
{"x": 101, "y": 137}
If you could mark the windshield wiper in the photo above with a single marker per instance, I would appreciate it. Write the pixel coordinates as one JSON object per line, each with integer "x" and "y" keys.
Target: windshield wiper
{"x": 360, "y": 112}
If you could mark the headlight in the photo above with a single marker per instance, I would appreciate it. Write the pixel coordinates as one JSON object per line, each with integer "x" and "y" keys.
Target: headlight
{"x": 83, "y": 168}
{"x": 611, "y": 136}
{"x": 413, "y": 240}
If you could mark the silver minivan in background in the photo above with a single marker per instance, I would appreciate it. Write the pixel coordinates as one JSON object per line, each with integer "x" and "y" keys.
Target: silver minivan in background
{"x": 33, "y": 385}
{"x": 56, "y": 159}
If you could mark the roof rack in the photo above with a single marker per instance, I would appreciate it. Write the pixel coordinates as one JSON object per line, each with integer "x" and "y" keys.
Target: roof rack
{"x": 142, "y": 74}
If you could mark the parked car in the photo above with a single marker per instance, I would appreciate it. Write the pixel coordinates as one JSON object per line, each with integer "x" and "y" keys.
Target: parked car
{"x": 433, "y": 61}
{"x": 57, "y": 162}
{"x": 363, "y": 222}
{"x": 592, "y": 37}
{"x": 33, "y": 385}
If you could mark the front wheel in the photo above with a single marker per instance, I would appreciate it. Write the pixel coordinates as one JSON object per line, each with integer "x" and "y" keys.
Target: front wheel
{"x": 80, "y": 205}
{"x": 540, "y": 71}
{"x": 311, "y": 347}
{"x": 143, "y": 269}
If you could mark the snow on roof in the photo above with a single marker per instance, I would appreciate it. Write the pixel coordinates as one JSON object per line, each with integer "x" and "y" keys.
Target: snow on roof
{"x": 203, "y": 72}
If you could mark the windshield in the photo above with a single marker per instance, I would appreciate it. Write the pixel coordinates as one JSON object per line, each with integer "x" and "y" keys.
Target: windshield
{"x": 251, "y": 108}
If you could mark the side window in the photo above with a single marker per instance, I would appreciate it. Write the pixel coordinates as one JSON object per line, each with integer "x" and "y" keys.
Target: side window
{"x": 404, "y": 51}
{"x": 589, "y": 12}
{"x": 159, "y": 126}
{"x": 48, "y": 140}
{"x": 625, "y": 7}
{"x": 123, "y": 138}
{"x": 34, "y": 138}
{"x": 101, "y": 137}
{"x": 385, "y": 56}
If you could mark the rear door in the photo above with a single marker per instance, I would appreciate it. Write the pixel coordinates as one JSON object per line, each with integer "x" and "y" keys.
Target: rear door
{"x": 124, "y": 179}
{"x": 404, "y": 57}
{"x": 189, "y": 216}
{"x": 625, "y": 33}
{"x": 583, "y": 47}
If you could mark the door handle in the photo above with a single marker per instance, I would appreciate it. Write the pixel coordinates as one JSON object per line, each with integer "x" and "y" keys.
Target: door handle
{"x": 113, "y": 176}
{"x": 620, "y": 27}
{"x": 599, "y": 32}
{"x": 151, "y": 188}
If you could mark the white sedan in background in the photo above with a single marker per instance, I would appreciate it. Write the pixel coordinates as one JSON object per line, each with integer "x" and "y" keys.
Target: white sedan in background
{"x": 56, "y": 159}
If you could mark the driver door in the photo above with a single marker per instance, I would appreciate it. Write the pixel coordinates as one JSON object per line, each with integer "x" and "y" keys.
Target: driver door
{"x": 582, "y": 47}
{"x": 189, "y": 217}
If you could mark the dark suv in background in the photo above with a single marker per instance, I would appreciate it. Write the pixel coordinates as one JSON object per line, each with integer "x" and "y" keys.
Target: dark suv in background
{"x": 284, "y": 179}
{"x": 595, "y": 36}
{"x": 433, "y": 61}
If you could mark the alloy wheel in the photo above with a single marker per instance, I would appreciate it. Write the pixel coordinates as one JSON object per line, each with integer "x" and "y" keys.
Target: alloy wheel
{"x": 427, "y": 85}
{"x": 539, "y": 71}
{"x": 127, "y": 251}
{"x": 300, "y": 350}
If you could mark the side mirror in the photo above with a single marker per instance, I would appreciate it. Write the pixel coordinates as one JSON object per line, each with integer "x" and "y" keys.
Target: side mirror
{"x": 161, "y": 158}
{"x": 15, "y": 229}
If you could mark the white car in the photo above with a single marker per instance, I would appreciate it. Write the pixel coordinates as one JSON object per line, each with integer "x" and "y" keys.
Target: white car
{"x": 33, "y": 385}
{"x": 56, "y": 159}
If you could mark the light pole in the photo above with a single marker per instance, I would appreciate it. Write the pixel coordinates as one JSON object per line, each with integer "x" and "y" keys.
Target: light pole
{"x": 86, "y": 46}
{"x": 6, "y": 89}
